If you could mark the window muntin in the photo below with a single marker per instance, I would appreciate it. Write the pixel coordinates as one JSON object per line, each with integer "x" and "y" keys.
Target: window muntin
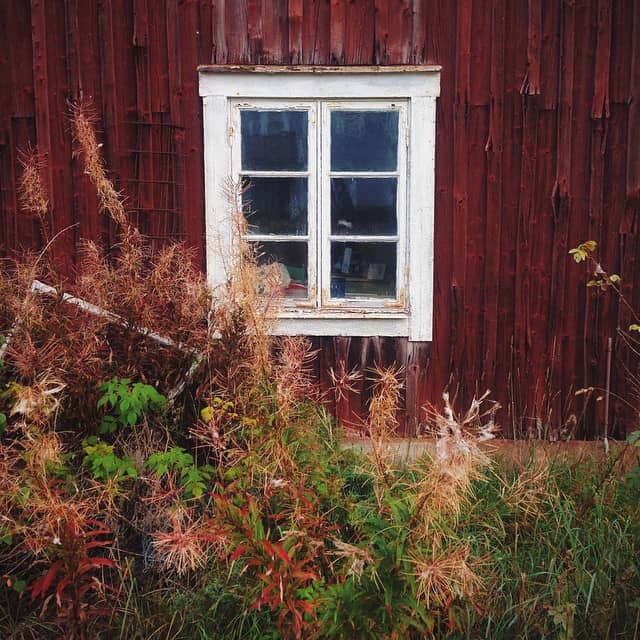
{"x": 364, "y": 188}
{"x": 411, "y": 312}
{"x": 273, "y": 154}
{"x": 344, "y": 241}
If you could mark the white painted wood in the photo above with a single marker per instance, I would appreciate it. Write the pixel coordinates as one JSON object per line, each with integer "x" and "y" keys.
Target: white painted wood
{"x": 413, "y": 90}
{"x": 217, "y": 173}
{"x": 352, "y": 325}
{"x": 348, "y": 84}
{"x": 421, "y": 222}
{"x": 347, "y": 238}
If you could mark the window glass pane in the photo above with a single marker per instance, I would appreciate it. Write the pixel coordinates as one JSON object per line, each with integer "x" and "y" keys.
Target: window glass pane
{"x": 274, "y": 140}
{"x": 363, "y": 269}
{"x": 363, "y": 206}
{"x": 276, "y": 205}
{"x": 283, "y": 266}
{"x": 364, "y": 140}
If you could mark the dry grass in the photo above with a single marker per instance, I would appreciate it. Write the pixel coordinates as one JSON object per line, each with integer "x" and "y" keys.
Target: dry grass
{"x": 185, "y": 545}
{"x": 383, "y": 422}
{"x": 458, "y": 461}
{"x": 445, "y": 575}
{"x": 83, "y": 122}
{"x": 293, "y": 375}
{"x": 32, "y": 191}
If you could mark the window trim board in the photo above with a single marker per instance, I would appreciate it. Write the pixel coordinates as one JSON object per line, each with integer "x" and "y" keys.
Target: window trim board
{"x": 222, "y": 85}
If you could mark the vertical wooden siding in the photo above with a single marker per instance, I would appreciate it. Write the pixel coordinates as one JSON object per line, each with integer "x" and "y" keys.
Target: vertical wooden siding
{"x": 537, "y": 150}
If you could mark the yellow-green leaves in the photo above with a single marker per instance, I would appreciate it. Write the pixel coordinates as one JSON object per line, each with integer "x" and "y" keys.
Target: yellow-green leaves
{"x": 583, "y": 251}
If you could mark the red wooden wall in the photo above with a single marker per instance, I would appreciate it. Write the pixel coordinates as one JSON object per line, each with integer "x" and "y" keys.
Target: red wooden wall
{"x": 538, "y": 149}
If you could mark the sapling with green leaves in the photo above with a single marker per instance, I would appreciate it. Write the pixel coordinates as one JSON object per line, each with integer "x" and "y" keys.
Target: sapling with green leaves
{"x": 602, "y": 279}
{"x": 127, "y": 403}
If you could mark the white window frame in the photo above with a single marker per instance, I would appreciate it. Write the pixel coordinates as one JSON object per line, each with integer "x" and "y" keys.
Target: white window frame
{"x": 414, "y": 89}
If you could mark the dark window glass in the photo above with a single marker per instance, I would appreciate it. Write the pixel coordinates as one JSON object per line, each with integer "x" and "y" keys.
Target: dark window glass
{"x": 363, "y": 206}
{"x": 274, "y": 140}
{"x": 283, "y": 267}
{"x": 363, "y": 270}
{"x": 364, "y": 140}
{"x": 276, "y": 205}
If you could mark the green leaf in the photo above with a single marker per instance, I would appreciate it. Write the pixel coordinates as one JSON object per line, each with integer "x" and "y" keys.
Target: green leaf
{"x": 207, "y": 413}
{"x": 634, "y": 327}
{"x": 108, "y": 425}
{"x": 578, "y": 255}
{"x": 634, "y": 438}
{"x": 19, "y": 586}
{"x": 582, "y": 251}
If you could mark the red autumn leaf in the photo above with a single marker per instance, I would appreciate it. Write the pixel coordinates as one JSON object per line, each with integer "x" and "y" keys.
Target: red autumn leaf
{"x": 237, "y": 553}
{"x": 282, "y": 553}
{"x": 41, "y": 586}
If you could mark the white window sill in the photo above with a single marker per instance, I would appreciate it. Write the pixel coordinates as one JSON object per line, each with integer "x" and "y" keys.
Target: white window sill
{"x": 356, "y": 323}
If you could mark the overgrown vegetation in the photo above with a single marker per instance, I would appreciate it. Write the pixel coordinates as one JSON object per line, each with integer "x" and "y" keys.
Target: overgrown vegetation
{"x": 166, "y": 471}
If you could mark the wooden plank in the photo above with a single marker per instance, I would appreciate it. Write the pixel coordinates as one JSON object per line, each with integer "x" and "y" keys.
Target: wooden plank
{"x": 614, "y": 204}
{"x": 316, "y": 32}
{"x": 622, "y": 18}
{"x": 460, "y": 191}
{"x": 480, "y": 79}
{"x": 417, "y": 366}
{"x": 112, "y": 63}
{"x": 344, "y": 413}
{"x": 600, "y": 104}
{"x": 550, "y": 54}
{"x": 236, "y": 29}
{"x": 192, "y": 175}
{"x": 295, "y": 11}
{"x": 392, "y": 31}
{"x": 561, "y": 196}
{"x": 531, "y": 83}
{"x": 419, "y": 32}
{"x": 475, "y": 268}
{"x": 203, "y": 23}
{"x": 254, "y": 28}
{"x": 441, "y": 47}
{"x": 574, "y": 312}
{"x": 541, "y": 224}
{"x": 594, "y": 334}
{"x": 358, "y": 32}
{"x": 276, "y": 31}
{"x": 176, "y": 175}
{"x": 523, "y": 301}
{"x": 142, "y": 180}
{"x": 81, "y": 24}
{"x": 49, "y": 53}
{"x": 159, "y": 12}
{"x": 20, "y": 68}
{"x": 493, "y": 239}
{"x": 338, "y": 30}
{"x": 16, "y": 105}
{"x": 219, "y": 48}
{"x": 633, "y": 156}
{"x": 561, "y": 190}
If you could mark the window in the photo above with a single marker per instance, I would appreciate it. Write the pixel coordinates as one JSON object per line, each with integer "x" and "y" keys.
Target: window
{"x": 339, "y": 168}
